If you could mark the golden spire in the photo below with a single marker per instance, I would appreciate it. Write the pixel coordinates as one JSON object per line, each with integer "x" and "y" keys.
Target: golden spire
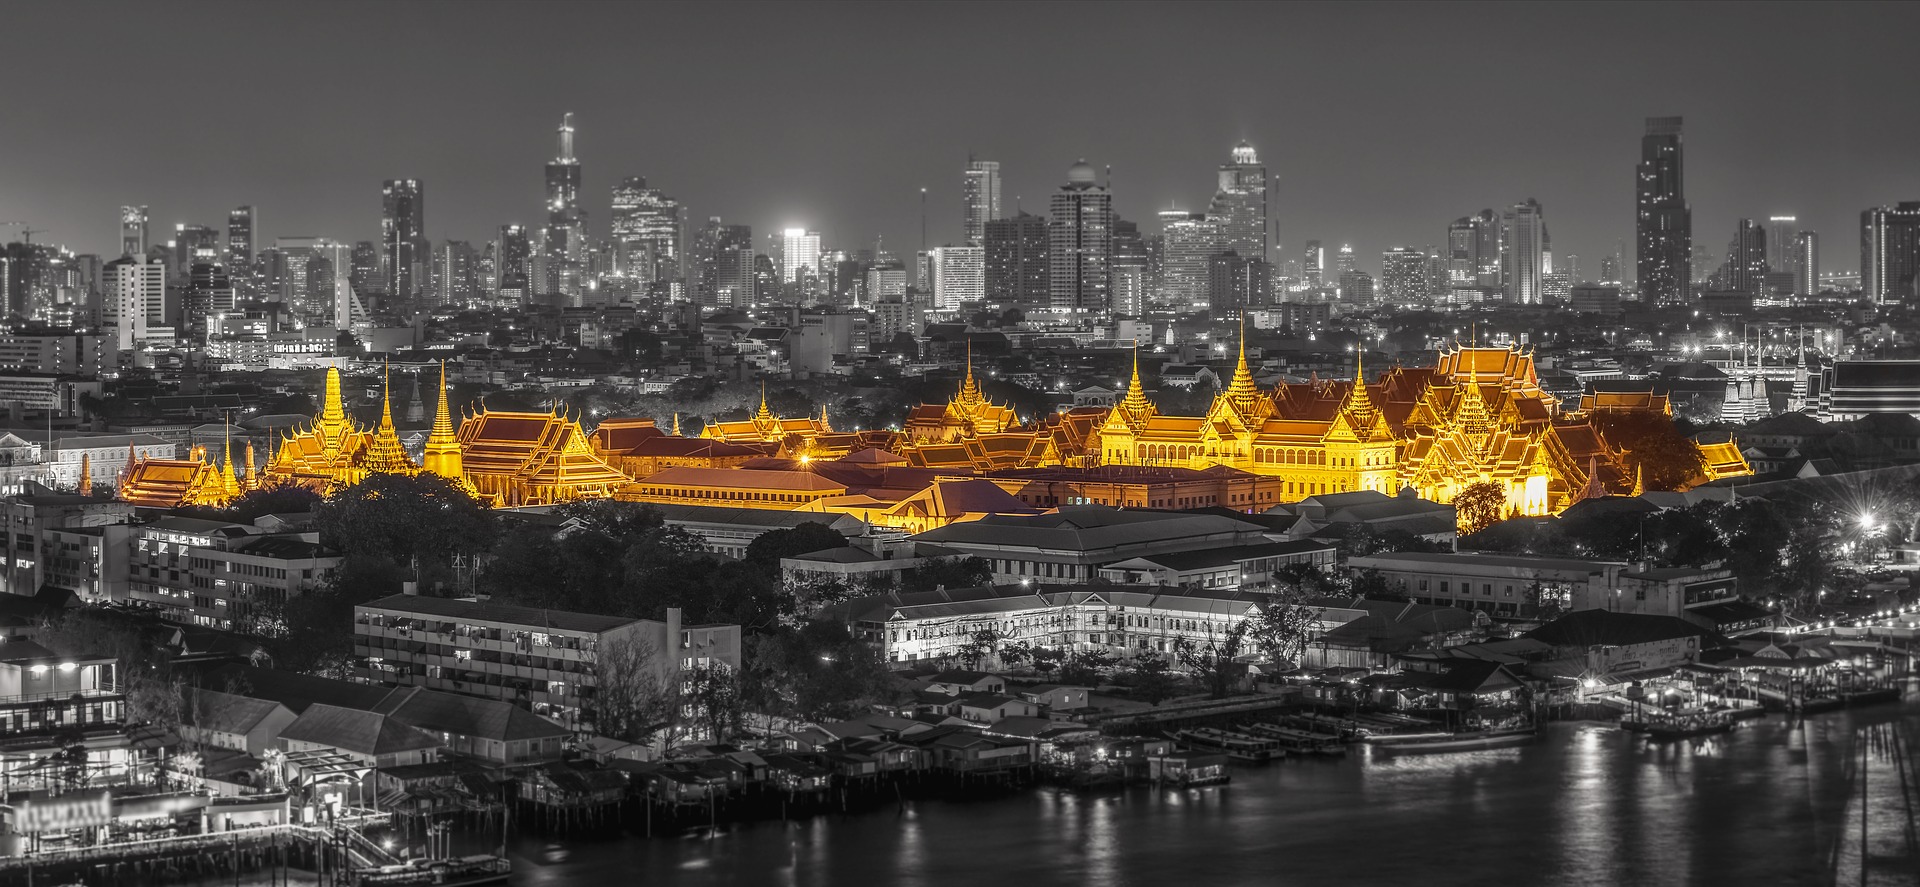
{"x": 385, "y": 454}
{"x": 1242, "y": 393}
{"x": 252, "y": 475}
{"x": 824, "y": 425}
{"x": 85, "y": 488}
{"x": 1135, "y": 408}
{"x": 676, "y": 423}
{"x": 331, "y": 410}
{"x": 764, "y": 415}
{"x": 442, "y": 453}
{"x": 229, "y": 482}
{"x": 1359, "y": 402}
{"x": 969, "y": 395}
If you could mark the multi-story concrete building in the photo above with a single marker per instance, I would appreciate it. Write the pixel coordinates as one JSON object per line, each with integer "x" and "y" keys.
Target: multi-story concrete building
{"x": 234, "y": 577}
{"x": 65, "y": 541}
{"x": 550, "y": 660}
{"x": 89, "y": 355}
{"x": 1499, "y": 584}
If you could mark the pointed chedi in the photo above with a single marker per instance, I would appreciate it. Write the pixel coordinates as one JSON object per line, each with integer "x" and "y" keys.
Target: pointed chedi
{"x": 85, "y": 487}
{"x": 386, "y": 455}
{"x": 442, "y": 453}
{"x": 1135, "y": 409}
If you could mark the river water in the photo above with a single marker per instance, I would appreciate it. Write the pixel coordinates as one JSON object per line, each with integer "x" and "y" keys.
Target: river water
{"x": 1585, "y": 805}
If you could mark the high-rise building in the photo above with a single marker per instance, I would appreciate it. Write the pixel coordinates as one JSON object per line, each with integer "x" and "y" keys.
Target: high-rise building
{"x": 959, "y": 276}
{"x": 133, "y": 231}
{"x": 1747, "y": 259}
{"x": 243, "y": 237}
{"x": 1806, "y": 263}
{"x": 1129, "y": 268}
{"x": 1239, "y": 208}
{"x": 1663, "y": 223}
{"x": 364, "y": 263}
{"x": 1403, "y": 276}
{"x": 1782, "y": 231}
{"x": 1344, "y": 261}
{"x": 980, "y": 198}
{"x": 1314, "y": 264}
{"x": 645, "y": 226}
{"x": 403, "y": 239}
{"x": 722, "y": 257}
{"x": 1190, "y": 240}
{"x": 1016, "y": 251}
{"x": 1524, "y": 241}
{"x": 515, "y": 266}
{"x": 1356, "y": 286}
{"x": 1079, "y": 243}
{"x": 193, "y": 245}
{"x": 456, "y": 274}
{"x": 1236, "y": 282}
{"x": 134, "y": 299}
{"x": 564, "y": 242}
{"x": 209, "y": 292}
{"x": 799, "y": 255}
{"x": 1890, "y": 252}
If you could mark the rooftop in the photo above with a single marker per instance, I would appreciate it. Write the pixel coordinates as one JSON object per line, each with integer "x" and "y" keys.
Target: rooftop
{"x": 451, "y": 608}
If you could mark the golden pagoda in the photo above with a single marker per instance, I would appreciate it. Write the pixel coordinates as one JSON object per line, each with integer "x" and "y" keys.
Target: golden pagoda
{"x": 442, "y": 453}
{"x": 385, "y": 454}
{"x": 967, "y": 414}
{"x": 326, "y": 454}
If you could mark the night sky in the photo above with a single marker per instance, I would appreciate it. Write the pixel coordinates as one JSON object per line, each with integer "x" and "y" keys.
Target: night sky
{"x": 1383, "y": 122}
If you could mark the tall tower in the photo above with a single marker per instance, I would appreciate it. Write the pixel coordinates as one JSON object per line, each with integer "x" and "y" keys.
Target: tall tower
{"x": 1747, "y": 258}
{"x": 980, "y": 196}
{"x": 565, "y": 245}
{"x": 1239, "y": 208}
{"x": 1782, "y": 233}
{"x": 243, "y": 237}
{"x": 1663, "y": 223}
{"x": 403, "y": 241}
{"x": 1079, "y": 243}
{"x": 1016, "y": 256}
{"x": 133, "y": 231}
{"x": 1806, "y": 263}
{"x": 645, "y": 228}
{"x": 1525, "y": 253}
{"x": 1890, "y": 252}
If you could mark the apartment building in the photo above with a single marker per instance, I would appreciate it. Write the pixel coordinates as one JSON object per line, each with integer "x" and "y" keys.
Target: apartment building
{"x": 223, "y": 575}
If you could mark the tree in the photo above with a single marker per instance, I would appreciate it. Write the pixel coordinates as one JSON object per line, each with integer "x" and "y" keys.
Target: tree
{"x": 1047, "y": 659}
{"x": 769, "y": 547}
{"x": 1151, "y": 679}
{"x": 632, "y": 699}
{"x": 979, "y": 647}
{"x": 1085, "y": 667}
{"x": 1215, "y": 660}
{"x": 813, "y": 671}
{"x": 712, "y": 696}
{"x": 1654, "y": 447}
{"x": 278, "y": 497}
{"x": 947, "y": 572}
{"x": 1479, "y": 506}
{"x": 1284, "y": 627}
{"x": 420, "y": 522}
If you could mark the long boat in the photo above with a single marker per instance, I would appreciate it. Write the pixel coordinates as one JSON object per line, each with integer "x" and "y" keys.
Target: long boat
{"x": 1300, "y": 742}
{"x": 1238, "y": 746}
{"x": 1435, "y": 743}
{"x": 1689, "y": 728}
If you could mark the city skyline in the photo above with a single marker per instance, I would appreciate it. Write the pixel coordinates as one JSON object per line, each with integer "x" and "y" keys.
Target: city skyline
{"x": 1338, "y": 176}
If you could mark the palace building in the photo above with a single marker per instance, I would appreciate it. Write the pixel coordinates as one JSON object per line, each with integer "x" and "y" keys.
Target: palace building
{"x": 329, "y": 452}
{"x": 176, "y": 483}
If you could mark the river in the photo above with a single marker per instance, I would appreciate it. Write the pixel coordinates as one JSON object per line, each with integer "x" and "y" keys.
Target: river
{"x": 1585, "y": 805}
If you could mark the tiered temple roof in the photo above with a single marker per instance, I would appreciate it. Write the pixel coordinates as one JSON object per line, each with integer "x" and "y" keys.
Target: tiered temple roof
{"x": 515, "y": 458}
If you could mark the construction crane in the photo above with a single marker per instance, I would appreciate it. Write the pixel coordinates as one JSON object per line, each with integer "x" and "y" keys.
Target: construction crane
{"x": 26, "y": 233}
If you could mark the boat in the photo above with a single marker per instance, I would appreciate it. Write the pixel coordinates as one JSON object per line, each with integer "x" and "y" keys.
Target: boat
{"x": 1871, "y": 697}
{"x": 1238, "y": 746}
{"x": 1343, "y": 728}
{"x": 1691, "y": 727}
{"x": 1435, "y": 743}
{"x": 1300, "y": 742}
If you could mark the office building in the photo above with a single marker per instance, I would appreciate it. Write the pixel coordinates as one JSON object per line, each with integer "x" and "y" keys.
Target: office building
{"x": 456, "y": 274}
{"x": 1746, "y": 268}
{"x": 1890, "y": 252}
{"x": 1782, "y": 233}
{"x": 1663, "y": 223}
{"x": 1079, "y": 243}
{"x": 1343, "y": 261}
{"x": 1403, "y": 276}
{"x": 403, "y": 242}
{"x": 547, "y": 660}
{"x": 1314, "y": 264}
{"x": 980, "y": 198}
{"x": 1523, "y": 252}
{"x": 645, "y": 226}
{"x": 1239, "y": 207}
{"x": 1806, "y": 263}
{"x": 133, "y": 299}
{"x": 1130, "y": 268}
{"x": 1189, "y": 240}
{"x": 564, "y": 244}
{"x": 1236, "y": 282}
{"x": 1356, "y": 286}
{"x": 799, "y": 255}
{"x": 959, "y": 276}
{"x": 1016, "y": 257}
{"x": 243, "y": 237}
{"x": 133, "y": 231}
{"x": 194, "y": 244}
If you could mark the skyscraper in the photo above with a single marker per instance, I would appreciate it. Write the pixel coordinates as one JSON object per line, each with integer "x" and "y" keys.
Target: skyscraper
{"x": 1525, "y": 243}
{"x": 1016, "y": 256}
{"x": 1403, "y": 276}
{"x": 1314, "y": 264}
{"x": 1235, "y": 282}
{"x": 193, "y": 245}
{"x": 1806, "y": 263}
{"x": 564, "y": 244}
{"x": 1890, "y": 252}
{"x": 456, "y": 281}
{"x": 243, "y": 237}
{"x": 645, "y": 226}
{"x": 133, "y": 231}
{"x": 1782, "y": 232}
{"x": 514, "y": 266}
{"x": 134, "y": 299}
{"x": 1129, "y": 268}
{"x": 1343, "y": 261}
{"x": 1239, "y": 208}
{"x": 959, "y": 276}
{"x": 365, "y": 260}
{"x": 1747, "y": 259}
{"x": 980, "y": 198}
{"x": 1079, "y": 243}
{"x": 1190, "y": 240}
{"x": 403, "y": 241}
{"x": 722, "y": 269}
{"x": 1663, "y": 223}
{"x": 799, "y": 254}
